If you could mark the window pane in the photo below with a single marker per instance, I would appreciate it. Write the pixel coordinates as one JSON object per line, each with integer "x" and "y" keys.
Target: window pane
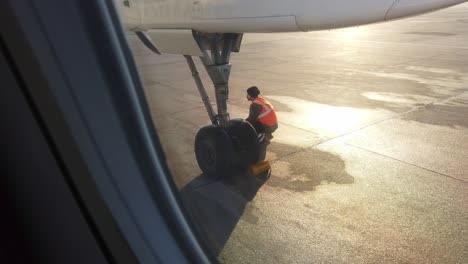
{"x": 368, "y": 163}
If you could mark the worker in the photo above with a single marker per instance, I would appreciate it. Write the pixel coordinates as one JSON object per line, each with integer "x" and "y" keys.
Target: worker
{"x": 261, "y": 115}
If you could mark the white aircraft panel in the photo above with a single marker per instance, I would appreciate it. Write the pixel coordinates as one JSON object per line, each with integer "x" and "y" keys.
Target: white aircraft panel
{"x": 328, "y": 14}
{"x": 165, "y": 11}
{"x": 404, "y": 8}
{"x": 245, "y": 25}
{"x": 219, "y": 9}
{"x": 130, "y": 13}
{"x": 175, "y": 41}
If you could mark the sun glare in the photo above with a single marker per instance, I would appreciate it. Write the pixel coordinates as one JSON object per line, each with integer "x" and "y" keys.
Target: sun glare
{"x": 327, "y": 119}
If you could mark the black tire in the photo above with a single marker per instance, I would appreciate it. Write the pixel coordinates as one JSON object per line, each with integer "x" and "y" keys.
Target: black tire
{"x": 245, "y": 142}
{"x": 214, "y": 153}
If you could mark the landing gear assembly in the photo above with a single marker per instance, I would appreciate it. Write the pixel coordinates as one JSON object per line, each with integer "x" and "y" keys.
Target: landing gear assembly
{"x": 227, "y": 145}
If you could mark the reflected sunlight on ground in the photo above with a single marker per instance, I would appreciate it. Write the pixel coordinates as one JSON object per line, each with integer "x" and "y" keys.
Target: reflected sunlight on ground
{"x": 326, "y": 118}
{"x": 350, "y": 34}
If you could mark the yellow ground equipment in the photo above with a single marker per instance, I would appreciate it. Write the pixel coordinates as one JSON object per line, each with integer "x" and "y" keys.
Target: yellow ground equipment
{"x": 259, "y": 168}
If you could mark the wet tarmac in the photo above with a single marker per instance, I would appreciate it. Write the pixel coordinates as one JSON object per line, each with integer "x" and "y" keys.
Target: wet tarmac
{"x": 370, "y": 163}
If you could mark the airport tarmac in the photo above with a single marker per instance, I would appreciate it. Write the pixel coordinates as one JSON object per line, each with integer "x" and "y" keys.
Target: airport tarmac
{"x": 370, "y": 161}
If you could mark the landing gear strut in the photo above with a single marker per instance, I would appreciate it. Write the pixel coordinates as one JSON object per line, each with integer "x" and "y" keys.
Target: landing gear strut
{"x": 227, "y": 145}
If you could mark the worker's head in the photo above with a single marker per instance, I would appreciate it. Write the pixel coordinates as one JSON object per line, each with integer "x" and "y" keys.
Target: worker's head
{"x": 252, "y": 93}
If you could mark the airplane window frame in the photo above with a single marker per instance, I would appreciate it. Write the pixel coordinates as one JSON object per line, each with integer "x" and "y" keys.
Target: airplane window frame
{"x": 92, "y": 101}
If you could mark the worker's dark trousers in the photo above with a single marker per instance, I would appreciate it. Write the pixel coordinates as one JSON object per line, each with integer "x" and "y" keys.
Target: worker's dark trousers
{"x": 268, "y": 130}
{"x": 261, "y": 128}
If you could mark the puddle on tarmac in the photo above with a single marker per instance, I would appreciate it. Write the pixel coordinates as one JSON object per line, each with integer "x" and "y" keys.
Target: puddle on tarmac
{"x": 433, "y": 70}
{"x": 307, "y": 169}
{"x": 399, "y": 99}
{"x": 459, "y": 81}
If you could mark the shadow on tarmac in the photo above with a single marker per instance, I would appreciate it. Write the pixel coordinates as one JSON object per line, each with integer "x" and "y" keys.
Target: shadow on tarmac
{"x": 215, "y": 206}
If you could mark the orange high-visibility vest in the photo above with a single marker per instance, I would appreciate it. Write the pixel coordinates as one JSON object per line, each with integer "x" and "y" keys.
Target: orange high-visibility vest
{"x": 268, "y": 114}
